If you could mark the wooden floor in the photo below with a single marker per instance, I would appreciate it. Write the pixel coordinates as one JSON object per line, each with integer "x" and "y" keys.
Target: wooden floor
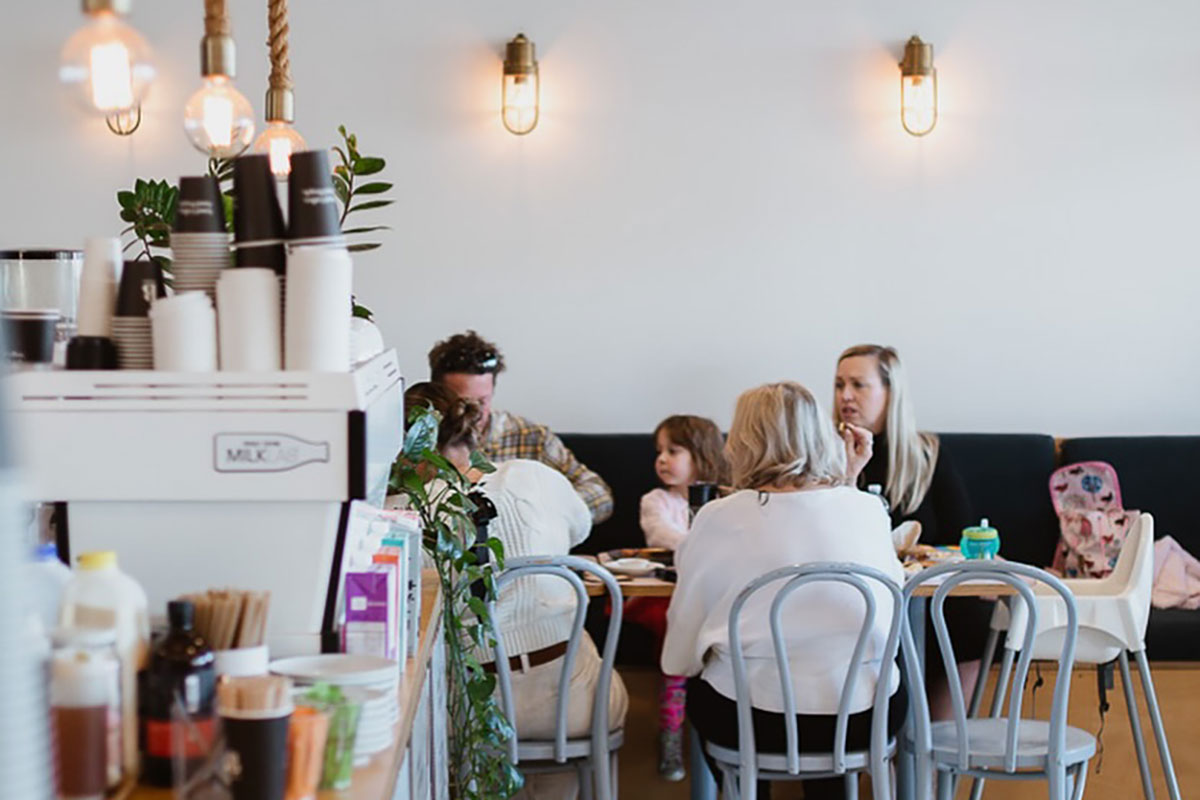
{"x": 1178, "y": 688}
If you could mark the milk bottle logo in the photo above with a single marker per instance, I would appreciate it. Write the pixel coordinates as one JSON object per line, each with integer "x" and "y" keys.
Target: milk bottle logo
{"x": 265, "y": 452}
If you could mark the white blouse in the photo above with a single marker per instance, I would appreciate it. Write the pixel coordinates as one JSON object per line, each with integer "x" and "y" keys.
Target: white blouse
{"x": 664, "y": 518}
{"x": 738, "y": 538}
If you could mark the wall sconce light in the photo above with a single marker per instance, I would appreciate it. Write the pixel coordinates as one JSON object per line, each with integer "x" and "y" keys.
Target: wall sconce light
{"x": 107, "y": 65}
{"x": 520, "y": 90}
{"x": 280, "y": 139}
{"x": 918, "y": 88}
{"x": 218, "y": 119}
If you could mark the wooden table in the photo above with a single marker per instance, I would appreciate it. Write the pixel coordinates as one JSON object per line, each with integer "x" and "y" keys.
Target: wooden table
{"x": 375, "y": 780}
{"x": 657, "y": 587}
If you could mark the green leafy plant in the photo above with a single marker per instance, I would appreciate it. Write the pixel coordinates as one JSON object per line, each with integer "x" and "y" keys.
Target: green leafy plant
{"x": 150, "y": 210}
{"x": 439, "y": 494}
{"x": 350, "y": 190}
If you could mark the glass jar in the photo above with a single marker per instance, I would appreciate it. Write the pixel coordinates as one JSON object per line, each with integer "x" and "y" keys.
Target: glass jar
{"x": 40, "y": 280}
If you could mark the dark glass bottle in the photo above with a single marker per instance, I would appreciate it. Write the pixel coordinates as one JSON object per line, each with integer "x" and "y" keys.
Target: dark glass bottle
{"x": 181, "y": 673}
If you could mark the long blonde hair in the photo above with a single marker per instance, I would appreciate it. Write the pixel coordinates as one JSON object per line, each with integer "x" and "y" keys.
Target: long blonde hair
{"x": 912, "y": 454}
{"x": 780, "y": 437}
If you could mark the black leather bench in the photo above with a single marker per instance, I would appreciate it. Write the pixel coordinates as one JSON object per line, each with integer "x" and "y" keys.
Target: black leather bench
{"x": 1006, "y": 476}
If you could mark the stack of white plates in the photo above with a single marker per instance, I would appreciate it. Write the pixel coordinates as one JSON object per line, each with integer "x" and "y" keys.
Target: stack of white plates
{"x": 135, "y": 346}
{"x": 371, "y": 680}
{"x": 199, "y": 259}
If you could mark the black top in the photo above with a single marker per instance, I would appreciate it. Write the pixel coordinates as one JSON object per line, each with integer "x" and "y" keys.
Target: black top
{"x": 946, "y": 508}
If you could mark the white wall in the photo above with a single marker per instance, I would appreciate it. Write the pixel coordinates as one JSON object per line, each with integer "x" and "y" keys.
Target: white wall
{"x": 720, "y": 194}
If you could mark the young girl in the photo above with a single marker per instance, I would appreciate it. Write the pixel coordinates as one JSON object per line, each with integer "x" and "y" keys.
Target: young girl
{"x": 690, "y": 450}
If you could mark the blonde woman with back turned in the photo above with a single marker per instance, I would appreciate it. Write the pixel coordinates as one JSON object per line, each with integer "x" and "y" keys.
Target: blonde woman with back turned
{"x": 920, "y": 482}
{"x": 794, "y": 505}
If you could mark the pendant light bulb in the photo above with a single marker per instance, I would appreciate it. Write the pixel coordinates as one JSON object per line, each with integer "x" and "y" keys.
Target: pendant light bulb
{"x": 218, "y": 119}
{"x": 918, "y": 88}
{"x": 279, "y": 141}
{"x": 519, "y": 90}
{"x": 107, "y": 64}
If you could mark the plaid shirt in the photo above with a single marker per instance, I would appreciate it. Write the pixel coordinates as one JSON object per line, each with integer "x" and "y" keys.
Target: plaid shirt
{"x": 509, "y": 437}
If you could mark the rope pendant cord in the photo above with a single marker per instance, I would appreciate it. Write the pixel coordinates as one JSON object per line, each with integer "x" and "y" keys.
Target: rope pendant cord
{"x": 216, "y": 19}
{"x": 277, "y": 41}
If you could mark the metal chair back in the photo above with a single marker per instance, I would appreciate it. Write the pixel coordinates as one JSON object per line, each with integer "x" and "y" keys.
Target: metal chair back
{"x": 856, "y": 576}
{"x": 566, "y": 568}
{"x": 1019, "y": 577}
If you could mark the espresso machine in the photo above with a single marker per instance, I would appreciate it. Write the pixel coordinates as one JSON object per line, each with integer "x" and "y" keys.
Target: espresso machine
{"x": 208, "y": 480}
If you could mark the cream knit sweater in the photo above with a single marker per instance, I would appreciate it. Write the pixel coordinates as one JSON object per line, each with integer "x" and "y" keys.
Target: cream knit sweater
{"x": 539, "y": 513}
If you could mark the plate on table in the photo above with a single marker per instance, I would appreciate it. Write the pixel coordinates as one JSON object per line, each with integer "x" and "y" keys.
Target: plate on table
{"x": 660, "y": 555}
{"x": 341, "y": 669}
{"x": 633, "y": 567}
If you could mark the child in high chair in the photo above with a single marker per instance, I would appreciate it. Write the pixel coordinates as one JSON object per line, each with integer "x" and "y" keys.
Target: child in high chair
{"x": 690, "y": 450}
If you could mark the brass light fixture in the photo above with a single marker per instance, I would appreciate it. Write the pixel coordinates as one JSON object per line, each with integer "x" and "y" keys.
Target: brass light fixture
{"x": 918, "y": 88}
{"x": 108, "y": 66}
{"x": 218, "y": 118}
{"x": 280, "y": 139}
{"x": 520, "y": 89}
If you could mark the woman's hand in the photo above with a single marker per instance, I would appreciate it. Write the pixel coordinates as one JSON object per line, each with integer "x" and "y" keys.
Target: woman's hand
{"x": 859, "y": 449}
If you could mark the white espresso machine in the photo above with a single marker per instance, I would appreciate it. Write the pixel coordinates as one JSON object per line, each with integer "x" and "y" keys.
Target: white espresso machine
{"x": 212, "y": 480}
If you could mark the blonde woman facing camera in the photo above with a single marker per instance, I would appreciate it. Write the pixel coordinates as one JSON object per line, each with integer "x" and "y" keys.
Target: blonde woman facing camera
{"x": 920, "y": 482}
{"x": 793, "y": 506}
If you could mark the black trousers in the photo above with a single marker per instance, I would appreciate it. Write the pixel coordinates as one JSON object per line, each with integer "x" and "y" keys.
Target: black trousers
{"x": 714, "y": 716}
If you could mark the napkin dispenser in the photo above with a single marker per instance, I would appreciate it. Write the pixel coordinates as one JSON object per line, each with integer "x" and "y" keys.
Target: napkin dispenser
{"x": 202, "y": 480}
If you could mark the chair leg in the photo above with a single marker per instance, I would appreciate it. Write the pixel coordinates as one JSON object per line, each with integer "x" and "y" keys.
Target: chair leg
{"x": 1056, "y": 779}
{"x": 945, "y": 786}
{"x": 851, "y": 785}
{"x": 1135, "y": 726}
{"x": 1160, "y": 735}
{"x": 985, "y": 666}
{"x": 585, "y": 781}
{"x": 601, "y": 775}
{"x": 614, "y": 782}
{"x": 1080, "y": 780}
{"x": 729, "y": 784}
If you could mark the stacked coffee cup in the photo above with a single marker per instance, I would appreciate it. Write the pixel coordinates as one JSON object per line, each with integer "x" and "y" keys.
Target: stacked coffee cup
{"x": 320, "y": 271}
{"x": 199, "y": 240}
{"x": 141, "y": 284}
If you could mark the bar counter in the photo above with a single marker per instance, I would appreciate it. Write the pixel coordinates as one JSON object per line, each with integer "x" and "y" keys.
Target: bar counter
{"x": 377, "y": 779}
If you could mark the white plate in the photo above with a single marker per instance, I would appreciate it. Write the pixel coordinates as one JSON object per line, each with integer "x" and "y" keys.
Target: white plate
{"x": 635, "y": 567}
{"x": 338, "y": 668}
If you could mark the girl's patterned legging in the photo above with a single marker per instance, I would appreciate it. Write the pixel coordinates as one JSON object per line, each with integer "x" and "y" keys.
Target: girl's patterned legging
{"x": 651, "y": 613}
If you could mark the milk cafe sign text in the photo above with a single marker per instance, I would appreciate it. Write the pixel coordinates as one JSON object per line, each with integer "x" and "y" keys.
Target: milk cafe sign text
{"x": 265, "y": 452}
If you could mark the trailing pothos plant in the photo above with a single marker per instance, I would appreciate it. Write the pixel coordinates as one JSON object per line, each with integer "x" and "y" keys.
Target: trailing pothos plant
{"x": 441, "y": 497}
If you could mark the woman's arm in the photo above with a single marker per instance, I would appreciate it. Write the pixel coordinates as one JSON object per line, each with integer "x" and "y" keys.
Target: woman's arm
{"x": 951, "y": 504}
{"x": 655, "y": 518}
{"x": 690, "y": 603}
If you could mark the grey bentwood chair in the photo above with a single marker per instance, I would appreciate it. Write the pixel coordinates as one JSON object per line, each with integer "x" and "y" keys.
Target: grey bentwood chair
{"x": 1005, "y": 748}
{"x": 743, "y": 767}
{"x": 593, "y": 757}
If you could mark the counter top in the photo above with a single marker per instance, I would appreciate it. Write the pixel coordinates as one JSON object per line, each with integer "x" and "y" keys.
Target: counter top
{"x": 375, "y": 780}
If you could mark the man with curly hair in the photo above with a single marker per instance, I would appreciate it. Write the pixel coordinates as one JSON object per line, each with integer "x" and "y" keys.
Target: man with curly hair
{"x": 468, "y": 364}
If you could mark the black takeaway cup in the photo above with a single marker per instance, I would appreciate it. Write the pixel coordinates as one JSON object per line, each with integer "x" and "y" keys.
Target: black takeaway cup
{"x": 312, "y": 205}
{"x": 200, "y": 208}
{"x": 141, "y": 284}
{"x": 258, "y": 230}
